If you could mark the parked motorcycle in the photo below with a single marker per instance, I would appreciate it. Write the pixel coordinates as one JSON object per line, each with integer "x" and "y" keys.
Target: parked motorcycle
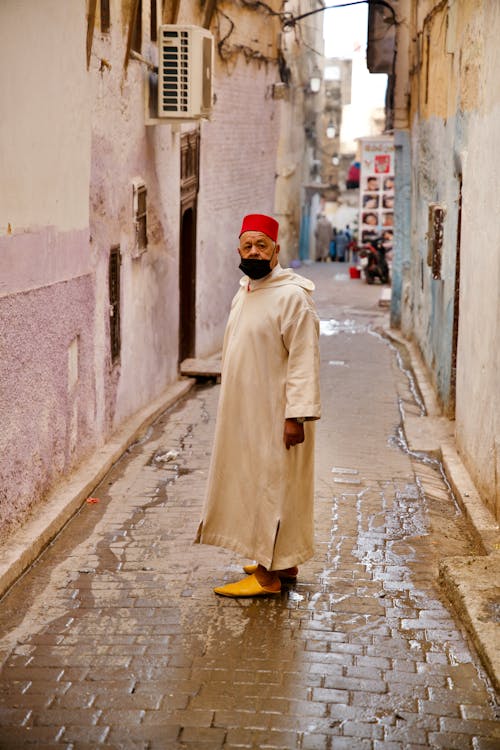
{"x": 373, "y": 262}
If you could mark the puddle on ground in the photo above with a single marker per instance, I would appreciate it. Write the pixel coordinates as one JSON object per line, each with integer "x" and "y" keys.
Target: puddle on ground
{"x": 334, "y": 327}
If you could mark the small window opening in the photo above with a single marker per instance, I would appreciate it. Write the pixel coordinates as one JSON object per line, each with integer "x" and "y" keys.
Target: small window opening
{"x": 140, "y": 217}
{"x": 435, "y": 235}
{"x": 105, "y": 17}
{"x": 136, "y": 40}
{"x": 114, "y": 302}
{"x": 153, "y": 21}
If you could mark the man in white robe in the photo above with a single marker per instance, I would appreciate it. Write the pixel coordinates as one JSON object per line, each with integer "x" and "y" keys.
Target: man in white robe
{"x": 260, "y": 491}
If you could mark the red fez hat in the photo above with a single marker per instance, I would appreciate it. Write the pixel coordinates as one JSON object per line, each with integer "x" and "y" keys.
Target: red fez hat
{"x": 260, "y": 223}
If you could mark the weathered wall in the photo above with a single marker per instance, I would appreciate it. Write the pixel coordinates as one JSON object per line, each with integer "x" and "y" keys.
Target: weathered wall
{"x": 478, "y": 392}
{"x": 455, "y": 117}
{"x": 46, "y": 289}
{"x": 123, "y": 150}
{"x": 430, "y": 313}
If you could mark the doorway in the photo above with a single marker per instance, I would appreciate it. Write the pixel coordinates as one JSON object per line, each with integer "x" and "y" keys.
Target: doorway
{"x": 456, "y": 310}
{"x": 189, "y": 179}
{"x": 187, "y": 283}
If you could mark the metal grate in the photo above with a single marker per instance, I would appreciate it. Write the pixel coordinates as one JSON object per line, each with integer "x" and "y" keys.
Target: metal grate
{"x": 175, "y": 62}
{"x": 435, "y": 234}
{"x": 114, "y": 302}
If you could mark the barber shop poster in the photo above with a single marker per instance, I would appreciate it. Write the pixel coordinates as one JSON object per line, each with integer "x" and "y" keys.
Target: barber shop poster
{"x": 377, "y": 189}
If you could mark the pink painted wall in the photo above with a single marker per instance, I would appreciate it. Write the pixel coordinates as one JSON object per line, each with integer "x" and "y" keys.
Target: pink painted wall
{"x": 47, "y": 427}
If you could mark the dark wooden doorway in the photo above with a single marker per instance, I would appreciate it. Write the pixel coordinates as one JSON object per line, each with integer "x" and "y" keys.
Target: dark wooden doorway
{"x": 187, "y": 284}
{"x": 456, "y": 311}
{"x": 190, "y": 159}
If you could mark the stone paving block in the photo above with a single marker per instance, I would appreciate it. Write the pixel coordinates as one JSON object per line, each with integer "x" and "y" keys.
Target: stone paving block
{"x": 121, "y": 717}
{"x": 366, "y": 730}
{"x": 426, "y": 680}
{"x": 116, "y": 698}
{"x": 438, "y": 708}
{"x": 450, "y": 741}
{"x": 330, "y": 695}
{"x": 67, "y": 716}
{"x": 279, "y": 705}
{"x": 122, "y": 741}
{"x": 483, "y": 743}
{"x": 49, "y": 674}
{"x": 199, "y": 735}
{"x": 418, "y": 734}
{"x": 360, "y": 684}
{"x": 315, "y": 741}
{"x": 46, "y": 687}
{"x": 320, "y": 669}
{"x": 234, "y": 719}
{"x": 479, "y": 728}
{"x": 461, "y": 696}
{"x": 352, "y": 743}
{"x": 31, "y": 737}
{"x": 28, "y": 701}
{"x": 87, "y": 734}
{"x": 475, "y": 711}
{"x": 14, "y": 717}
{"x": 374, "y": 661}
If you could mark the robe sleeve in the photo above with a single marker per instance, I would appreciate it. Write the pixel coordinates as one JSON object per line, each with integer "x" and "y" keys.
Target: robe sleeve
{"x": 301, "y": 339}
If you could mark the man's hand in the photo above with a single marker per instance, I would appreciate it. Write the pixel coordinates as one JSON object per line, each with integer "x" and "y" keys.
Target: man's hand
{"x": 293, "y": 433}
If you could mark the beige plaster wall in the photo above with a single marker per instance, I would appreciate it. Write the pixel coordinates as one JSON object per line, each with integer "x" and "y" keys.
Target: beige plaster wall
{"x": 45, "y": 120}
{"x": 478, "y": 391}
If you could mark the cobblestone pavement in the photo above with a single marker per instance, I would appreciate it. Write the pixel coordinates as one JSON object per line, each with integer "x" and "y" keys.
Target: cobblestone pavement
{"x": 116, "y": 639}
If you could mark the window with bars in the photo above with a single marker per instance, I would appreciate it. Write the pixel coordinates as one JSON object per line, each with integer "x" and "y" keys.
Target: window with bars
{"x": 140, "y": 194}
{"x": 114, "y": 302}
{"x": 435, "y": 232}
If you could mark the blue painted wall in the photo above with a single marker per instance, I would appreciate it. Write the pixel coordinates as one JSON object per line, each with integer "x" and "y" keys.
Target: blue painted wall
{"x": 401, "y": 260}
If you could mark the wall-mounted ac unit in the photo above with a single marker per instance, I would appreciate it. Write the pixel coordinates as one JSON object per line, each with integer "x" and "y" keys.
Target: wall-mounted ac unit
{"x": 184, "y": 72}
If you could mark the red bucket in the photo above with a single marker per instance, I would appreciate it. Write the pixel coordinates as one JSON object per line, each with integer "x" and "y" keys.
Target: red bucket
{"x": 354, "y": 272}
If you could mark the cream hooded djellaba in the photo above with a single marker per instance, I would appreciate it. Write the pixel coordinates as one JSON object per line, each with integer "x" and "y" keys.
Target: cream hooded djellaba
{"x": 259, "y": 500}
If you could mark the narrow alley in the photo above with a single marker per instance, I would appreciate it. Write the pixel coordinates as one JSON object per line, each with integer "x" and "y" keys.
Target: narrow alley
{"x": 115, "y": 638}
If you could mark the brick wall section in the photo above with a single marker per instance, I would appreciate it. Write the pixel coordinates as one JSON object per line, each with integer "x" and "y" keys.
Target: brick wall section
{"x": 238, "y": 159}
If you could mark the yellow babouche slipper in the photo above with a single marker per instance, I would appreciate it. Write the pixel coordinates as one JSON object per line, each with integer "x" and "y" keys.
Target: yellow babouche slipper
{"x": 288, "y": 574}
{"x": 248, "y": 587}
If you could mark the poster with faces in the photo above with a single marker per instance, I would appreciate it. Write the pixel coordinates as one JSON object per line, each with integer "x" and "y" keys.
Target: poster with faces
{"x": 376, "y": 208}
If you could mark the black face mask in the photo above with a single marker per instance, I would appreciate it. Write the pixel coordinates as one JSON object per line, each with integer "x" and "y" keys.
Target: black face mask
{"x": 255, "y": 268}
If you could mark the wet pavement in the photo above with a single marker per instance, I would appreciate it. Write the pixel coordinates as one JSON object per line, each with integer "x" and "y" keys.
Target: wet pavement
{"x": 115, "y": 638}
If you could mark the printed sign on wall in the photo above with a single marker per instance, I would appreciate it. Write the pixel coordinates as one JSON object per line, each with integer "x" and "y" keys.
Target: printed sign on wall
{"x": 376, "y": 210}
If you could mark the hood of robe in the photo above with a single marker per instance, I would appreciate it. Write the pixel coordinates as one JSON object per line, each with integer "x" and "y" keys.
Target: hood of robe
{"x": 278, "y": 277}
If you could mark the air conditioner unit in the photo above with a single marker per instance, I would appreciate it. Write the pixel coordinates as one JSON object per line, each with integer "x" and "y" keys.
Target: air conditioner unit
{"x": 184, "y": 72}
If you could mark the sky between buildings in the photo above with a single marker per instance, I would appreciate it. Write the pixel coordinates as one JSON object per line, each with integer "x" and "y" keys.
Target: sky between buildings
{"x": 345, "y": 32}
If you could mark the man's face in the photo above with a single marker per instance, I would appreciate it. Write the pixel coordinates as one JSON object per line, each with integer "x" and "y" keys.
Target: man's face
{"x": 258, "y": 245}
